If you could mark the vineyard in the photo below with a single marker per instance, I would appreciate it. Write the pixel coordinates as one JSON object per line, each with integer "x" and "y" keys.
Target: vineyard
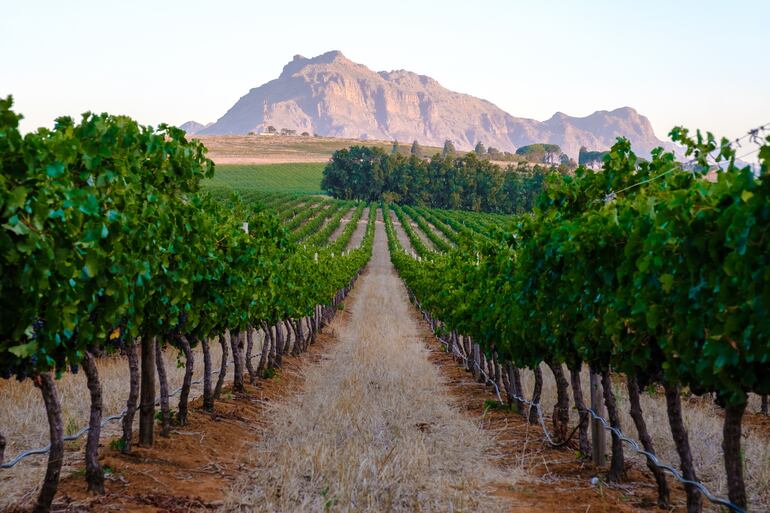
{"x": 142, "y": 287}
{"x": 299, "y": 178}
{"x": 665, "y": 284}
{"x": 128, "y": 252}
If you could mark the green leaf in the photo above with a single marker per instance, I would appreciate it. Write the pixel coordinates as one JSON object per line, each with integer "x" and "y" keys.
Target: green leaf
{"x": 16, "y": 198}
{"x": 667, "y": 282}
{"x": 24, "y": 350}
{"x": 92, "y": 266}
{"x": 54, "y": 170}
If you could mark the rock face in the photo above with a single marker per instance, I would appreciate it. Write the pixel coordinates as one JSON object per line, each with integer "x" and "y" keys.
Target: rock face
{"x": 332, "y": 96}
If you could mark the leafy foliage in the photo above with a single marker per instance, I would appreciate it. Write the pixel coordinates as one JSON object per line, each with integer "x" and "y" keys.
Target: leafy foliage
{"x": 106, "y": 235}
{"x": 670, "y": 281}
{"x": 466, "y": 182}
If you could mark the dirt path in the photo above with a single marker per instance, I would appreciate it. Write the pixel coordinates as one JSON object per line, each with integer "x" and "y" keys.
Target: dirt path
{"x": 421, "y": 234}
{"x": 343, "y": 223}
{"x": 438, "y": 232}
{"x": 403, "y": 238}
{"x": 374, "y": 428}
{"x": 360, "y": 231}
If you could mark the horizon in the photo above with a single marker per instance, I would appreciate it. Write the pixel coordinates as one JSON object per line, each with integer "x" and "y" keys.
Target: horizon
{"x": 193, "y": 62}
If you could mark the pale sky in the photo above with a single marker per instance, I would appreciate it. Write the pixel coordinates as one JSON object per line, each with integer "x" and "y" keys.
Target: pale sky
{"x": 703, "y": 64}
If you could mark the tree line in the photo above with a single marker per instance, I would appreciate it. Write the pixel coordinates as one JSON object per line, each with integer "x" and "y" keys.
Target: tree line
{"x": 466, "y": 182}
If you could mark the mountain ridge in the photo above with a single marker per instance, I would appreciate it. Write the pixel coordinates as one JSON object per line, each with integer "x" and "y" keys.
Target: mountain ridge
{"x": 331, "y": 95}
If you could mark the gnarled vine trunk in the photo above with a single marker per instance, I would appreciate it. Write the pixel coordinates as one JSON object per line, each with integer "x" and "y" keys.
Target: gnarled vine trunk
{"x": 235, "y": 344}
{"x": 56, "y": 454}
{"x": 133, "y": 396}
{"x": 646, "y": 439}
{"x": 617, "y": 470}
{"x": 508, "y": 384}
{"x": 469, "y": 352}
{"x": 279, "y": 344}
{"x": 682, "y": 441}
{"x": 249, "y": 354}
{"x": 265, "y": 356}
{"x": 272, "y": 360}
{"x": 474, "y": 361}
{"x": 311, "y": 329}
{"x": 208, "y": 393}
{"x": 764, "y": 408}
{"x": 577, "y": 395}
{"x": 480, "y": 364}
{"x": 287, "y": 325}
{"x": 189, "y": 367}
{"x": 303, "y": 341}
{"x": 298, "y": 346}
{"x": 165, "y": 410}
{"x": 2, "y": 447}
{"x": 222, "y": 368}
{"x": 518, "y": 388}
{"x": 94, "y": 473}
{"x": 560, "y": 416}
{"x": 538, "y": 390}
{"x": 731, "y": 446}
{"x": 147, "y": 404}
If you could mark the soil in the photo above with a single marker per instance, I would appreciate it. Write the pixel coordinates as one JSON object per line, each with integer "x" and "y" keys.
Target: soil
{"x": 193, "y": 468}
{"x": 556, "y": 480}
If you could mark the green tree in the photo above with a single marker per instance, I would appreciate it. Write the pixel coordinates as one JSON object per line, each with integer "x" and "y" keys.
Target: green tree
{"x": 449, "y": 149}
{"x": 590, "y": 158}
{"x": 480, "y": 149}
{"x": 416, "y": 149}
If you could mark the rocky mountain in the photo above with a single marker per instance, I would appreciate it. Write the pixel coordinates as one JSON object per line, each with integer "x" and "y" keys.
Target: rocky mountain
{"x": 193, "y": 127}
{"x": 332, "y": 96}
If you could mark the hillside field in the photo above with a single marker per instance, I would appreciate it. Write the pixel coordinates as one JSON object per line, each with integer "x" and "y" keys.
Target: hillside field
{"x": 298, "y": 178}
{"x": 273, "y": 149}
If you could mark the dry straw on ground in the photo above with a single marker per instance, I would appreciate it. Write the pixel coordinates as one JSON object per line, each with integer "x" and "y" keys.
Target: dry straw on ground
{"x": 373, "y": 429}
{"x": 23, "y": 418}
{"x": 704, "y": 424}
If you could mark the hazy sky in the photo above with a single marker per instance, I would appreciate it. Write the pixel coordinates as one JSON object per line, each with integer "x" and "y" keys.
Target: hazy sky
{"x": 699, "y": 63}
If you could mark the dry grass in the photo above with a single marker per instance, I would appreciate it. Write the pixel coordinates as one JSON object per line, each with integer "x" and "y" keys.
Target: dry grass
{"x": 373, "y": 429}
{"x": 267, "y": 149}
{"x": 23, "y": 420}
{"x": 704, "y": 424}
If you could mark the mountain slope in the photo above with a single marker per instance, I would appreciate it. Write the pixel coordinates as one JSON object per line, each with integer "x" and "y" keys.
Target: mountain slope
{"x": 193, "y": 127}
{"x": 333, "y": 96}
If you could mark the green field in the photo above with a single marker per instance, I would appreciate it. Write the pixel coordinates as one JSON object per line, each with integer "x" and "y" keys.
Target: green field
{"x": 299, "y": 178}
